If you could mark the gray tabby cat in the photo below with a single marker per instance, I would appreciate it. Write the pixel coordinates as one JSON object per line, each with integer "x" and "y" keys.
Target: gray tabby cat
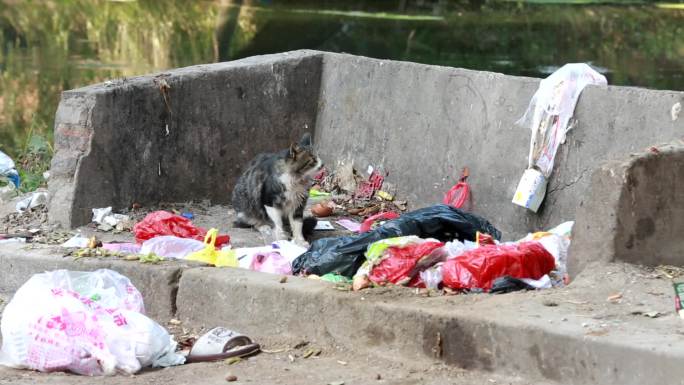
{"x": 272, "y": 191}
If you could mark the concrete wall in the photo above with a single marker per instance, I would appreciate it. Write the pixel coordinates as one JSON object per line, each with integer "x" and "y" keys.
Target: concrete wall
{"x": 131, "y": 142}
{"x": 421, "y": 123}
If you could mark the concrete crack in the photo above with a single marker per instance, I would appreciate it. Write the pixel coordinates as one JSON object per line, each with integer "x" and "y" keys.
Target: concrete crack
{"x": 563, "y": 186}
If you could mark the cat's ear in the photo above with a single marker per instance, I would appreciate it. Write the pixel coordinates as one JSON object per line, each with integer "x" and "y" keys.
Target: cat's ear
{"x": 305, "y": 141}
{"x": 294, "y": 150}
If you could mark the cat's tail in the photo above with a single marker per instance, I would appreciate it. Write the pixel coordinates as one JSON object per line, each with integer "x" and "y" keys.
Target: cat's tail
{"x": 308, "y": 226}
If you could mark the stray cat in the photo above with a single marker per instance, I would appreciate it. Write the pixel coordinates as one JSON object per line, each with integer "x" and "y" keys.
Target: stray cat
{"x": 272, "y": 191}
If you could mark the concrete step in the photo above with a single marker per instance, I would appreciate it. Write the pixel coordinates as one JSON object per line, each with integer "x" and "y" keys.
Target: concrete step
{"x": 157, "y": 283}
{"x": 534, "y": 335}
{"x": 571, "y": 335}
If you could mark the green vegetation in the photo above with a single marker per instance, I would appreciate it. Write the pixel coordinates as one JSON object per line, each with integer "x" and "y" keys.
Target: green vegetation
{"x": 47, "y": 46}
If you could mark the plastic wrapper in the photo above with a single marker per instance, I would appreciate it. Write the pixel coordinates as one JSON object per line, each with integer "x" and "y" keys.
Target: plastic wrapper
{"x": 478, "y": 268}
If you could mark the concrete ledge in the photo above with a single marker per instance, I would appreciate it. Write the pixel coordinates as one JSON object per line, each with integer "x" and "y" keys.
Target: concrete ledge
{"x": 180, "y": 135}
{"x": 157, "y": 283}
{"x": 511, "y": 334}
{"x": 636, "y": 213}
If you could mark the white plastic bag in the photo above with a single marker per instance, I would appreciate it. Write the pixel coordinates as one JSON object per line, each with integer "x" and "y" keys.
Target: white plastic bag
{"x": 90, "y": 323}
{"x": 550, "y": 111}
{"x": 7, "y": 169}
{"x": 169, "y": 246}
{"x": 557, "y": 242}
{"x": 6, "y": 163}
{"x": 76, "y": 241}
{"x": 100, "y": 214}
{"x": 38, "y": 198}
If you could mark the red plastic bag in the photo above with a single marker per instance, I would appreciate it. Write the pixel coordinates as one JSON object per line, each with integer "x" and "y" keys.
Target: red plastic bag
{"x": 368, "y": 223}
{"x": 159, "y": 223}
{"x": 459, "y": 194}
{"x": 401, "y": 260}
{"x": 478, "y": 268}
{"x": 366, "y": 189}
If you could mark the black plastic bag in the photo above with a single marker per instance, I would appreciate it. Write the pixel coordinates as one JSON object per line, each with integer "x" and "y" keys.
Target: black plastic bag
{"x": 507, "y": 284}
{"x": 344, "y": 255}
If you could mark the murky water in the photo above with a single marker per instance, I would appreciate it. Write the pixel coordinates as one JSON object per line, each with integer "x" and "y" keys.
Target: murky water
{"x": 49, "y": 46}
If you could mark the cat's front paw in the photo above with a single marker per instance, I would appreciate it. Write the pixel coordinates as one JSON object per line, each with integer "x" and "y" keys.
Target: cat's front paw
{"x": 301, "y": 242}
{"x": 280, "y": 235}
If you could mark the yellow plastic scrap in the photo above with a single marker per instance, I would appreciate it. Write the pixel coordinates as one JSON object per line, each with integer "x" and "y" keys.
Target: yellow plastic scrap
{"x": 211, "y": 256}
{"x": 540, "y": 234}
{"x": 316, "y": 193}
{"x": 150, "y": 258}
{"x": 384, "y": 195}
{"x": 376, "y": 249}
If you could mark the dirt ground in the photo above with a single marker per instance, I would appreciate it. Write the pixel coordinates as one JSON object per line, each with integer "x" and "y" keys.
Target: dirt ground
{"x": 283, "y": 363}
{"x": 205, "y": 215}
{"x": 268, "y": 369}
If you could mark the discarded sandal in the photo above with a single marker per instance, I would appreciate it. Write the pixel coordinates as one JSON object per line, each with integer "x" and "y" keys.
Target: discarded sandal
{"x": 220, "y": 343}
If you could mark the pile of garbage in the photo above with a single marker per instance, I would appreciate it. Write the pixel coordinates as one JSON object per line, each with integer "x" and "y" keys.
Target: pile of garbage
{"x": 159, "y": 235}
{"x": 29, "y": 222}
{"x": 440, "y": 247}
{"x": 347, "y": 192}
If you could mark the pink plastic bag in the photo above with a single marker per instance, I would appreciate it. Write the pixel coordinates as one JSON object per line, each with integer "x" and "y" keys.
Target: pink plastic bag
{"x": 273, "y": 263}
{"x": 128, "y": 248}
{"x": 168, "y": 246}
{"x": 89, "y": 323}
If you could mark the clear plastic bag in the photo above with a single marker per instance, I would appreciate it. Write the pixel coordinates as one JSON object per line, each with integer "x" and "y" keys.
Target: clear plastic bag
{"x": 549, "y": 112}
{"x": 432, "y": 277}
{"x": 108, "y": 288}
{"x": 169, "y": 246}
{"x": 89, "y": 323}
